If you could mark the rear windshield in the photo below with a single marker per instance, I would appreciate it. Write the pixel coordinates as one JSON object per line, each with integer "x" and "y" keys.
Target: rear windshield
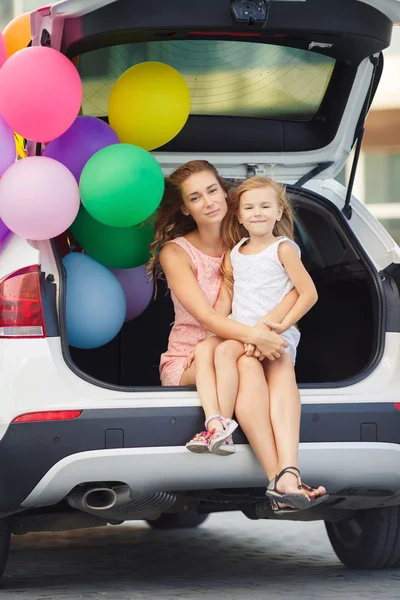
{"x": 244, "y": 79}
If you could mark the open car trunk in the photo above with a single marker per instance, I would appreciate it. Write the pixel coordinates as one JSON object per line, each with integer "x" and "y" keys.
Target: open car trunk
{"x": 277, "y": 88}
{"x": 341, "y": 337}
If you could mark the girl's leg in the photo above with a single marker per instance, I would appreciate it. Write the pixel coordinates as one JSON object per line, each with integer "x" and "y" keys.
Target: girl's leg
{"x": 285, "y": 412}
{"x": 202, "y": 373}
{"x": 253, "y": 413}
{"x": 225, "y": 360}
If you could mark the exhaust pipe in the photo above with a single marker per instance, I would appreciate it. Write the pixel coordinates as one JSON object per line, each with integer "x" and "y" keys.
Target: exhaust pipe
{"x": 96, "y": 498}
{"x": 116, "y": 503}
{"x": 100, "y": 498}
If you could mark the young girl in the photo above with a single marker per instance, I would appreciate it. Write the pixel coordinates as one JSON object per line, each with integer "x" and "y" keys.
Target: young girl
{"x": 259, "y": 271}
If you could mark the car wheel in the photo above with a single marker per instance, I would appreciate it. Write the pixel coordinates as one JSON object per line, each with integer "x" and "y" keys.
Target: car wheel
{"x": 368, "y": 540}
{"x": 183, "y": 520}
{"x": 5, "y": 535}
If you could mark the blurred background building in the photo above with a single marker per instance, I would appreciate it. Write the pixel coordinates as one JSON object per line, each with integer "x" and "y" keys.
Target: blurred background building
{"x": 378, "y": 176}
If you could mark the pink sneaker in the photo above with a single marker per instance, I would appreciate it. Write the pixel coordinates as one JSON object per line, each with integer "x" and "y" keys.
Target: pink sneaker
{"x": 199, "y": 443}
{"x": 221, "y": 442}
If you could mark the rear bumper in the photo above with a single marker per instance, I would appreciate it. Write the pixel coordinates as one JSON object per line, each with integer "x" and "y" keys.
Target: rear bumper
{"x": 371, "y": 468}
{"x": 351, "y": 448}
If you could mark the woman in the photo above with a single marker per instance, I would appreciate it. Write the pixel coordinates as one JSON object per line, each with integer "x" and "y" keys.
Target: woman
{"x": 191, "y": 216}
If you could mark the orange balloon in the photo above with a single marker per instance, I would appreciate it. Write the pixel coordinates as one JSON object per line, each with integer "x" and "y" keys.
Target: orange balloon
{"x": 17, "y": 34}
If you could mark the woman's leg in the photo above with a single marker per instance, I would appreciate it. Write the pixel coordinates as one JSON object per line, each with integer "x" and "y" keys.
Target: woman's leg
{"x": 285, "y": 413}
{"x": 253, "y": 413}
{"x": 225, "y": 360}
{"x": 202, "y": 373}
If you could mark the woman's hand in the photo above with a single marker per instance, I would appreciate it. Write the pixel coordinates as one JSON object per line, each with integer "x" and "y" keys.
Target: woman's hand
{"x": 188, "y": 361}
{"x": 269, "y": 342}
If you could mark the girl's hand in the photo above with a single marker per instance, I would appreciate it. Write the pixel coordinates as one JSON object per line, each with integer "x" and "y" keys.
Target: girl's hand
{"x": 251, "y": 350}
{"x": 188, "y": 361}
{"x": 277, "y": 327}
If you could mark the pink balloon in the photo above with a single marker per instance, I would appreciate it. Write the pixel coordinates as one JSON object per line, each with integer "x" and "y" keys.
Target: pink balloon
{"x": 40, "y": 93}
{"x": 3, "y": 50}
{"x": 39, "y": 198}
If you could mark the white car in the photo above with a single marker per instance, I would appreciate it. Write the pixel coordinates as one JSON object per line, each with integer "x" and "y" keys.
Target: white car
{"x": 89, "y": 437}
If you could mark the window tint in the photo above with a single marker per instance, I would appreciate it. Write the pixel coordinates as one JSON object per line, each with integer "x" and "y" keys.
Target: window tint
{"x": 245, "y": 79}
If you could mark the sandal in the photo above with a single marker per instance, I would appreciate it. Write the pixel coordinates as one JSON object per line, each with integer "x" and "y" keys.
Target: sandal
{"x": 199, "y": 442}
{"x": 221, "y": 442}
{"x": 282, "y": 510}
{"x": 294, "y": 501}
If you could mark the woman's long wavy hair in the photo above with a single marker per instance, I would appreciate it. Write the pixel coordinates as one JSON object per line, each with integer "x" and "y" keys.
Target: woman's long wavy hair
{"x": 233, "y": 231}
{"x": 170, "y": 222}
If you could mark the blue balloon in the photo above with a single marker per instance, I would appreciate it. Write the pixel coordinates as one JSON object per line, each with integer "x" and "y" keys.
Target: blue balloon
{"x": 96, "y": 304}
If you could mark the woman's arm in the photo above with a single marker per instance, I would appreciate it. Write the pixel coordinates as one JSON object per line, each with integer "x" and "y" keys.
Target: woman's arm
{"x": 302, "y": 282}
{"x": 178, "y": 269}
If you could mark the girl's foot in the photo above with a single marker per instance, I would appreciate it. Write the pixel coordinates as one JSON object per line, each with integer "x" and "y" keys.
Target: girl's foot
{"x": 227, "y": 448}
{"x": 199, "y": 443}
{"x": 221, "y": 442}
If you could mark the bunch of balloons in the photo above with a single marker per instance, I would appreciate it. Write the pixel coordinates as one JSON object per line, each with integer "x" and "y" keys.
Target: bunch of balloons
{"x": 95, "y": 179}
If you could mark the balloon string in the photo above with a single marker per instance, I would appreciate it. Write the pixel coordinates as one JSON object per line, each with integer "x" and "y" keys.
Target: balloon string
{"x": 72, "y": 247}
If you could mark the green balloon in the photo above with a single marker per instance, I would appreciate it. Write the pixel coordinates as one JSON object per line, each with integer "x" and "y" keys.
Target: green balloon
{"x": 121, "y": 185}
{"x": 116, "y": 247}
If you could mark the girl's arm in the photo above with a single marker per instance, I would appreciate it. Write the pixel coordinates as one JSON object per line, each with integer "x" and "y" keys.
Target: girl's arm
{"x": 277, "y": 314}
{"x": 178, "y": 269}
{"x": 302, "y": 282}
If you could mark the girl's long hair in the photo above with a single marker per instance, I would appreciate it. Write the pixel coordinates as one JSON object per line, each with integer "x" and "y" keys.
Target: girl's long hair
{"x": 170, "y": 222}
{"x": 233, "y": 231}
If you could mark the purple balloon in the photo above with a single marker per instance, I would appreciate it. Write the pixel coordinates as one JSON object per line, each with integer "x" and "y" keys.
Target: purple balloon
{"x": 85, "y": 137}
{"x": 138, "y": 289}
{"x": 4, "y": 231}
{"x": 8, "y": 150}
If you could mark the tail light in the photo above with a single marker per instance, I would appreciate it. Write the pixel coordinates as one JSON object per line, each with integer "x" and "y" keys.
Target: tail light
{"x": 21, "y": 311}
{"x": 49, "y": 415}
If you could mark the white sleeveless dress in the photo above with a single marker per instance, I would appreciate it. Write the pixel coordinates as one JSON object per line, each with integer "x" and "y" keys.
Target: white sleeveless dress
{"x": 260, "y": 284}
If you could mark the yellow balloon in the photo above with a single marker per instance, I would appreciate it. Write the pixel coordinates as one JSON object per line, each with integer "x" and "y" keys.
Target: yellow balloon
{"x": 19, "y": 144}
{"x": 149, "y": 105}
{"x": 17, "y": 34}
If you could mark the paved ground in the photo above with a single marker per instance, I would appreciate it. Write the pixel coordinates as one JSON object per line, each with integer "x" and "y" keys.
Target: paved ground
{"x": 227, "y": 557}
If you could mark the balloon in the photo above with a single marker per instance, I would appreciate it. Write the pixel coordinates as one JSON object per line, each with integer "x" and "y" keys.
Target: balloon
{"x": 17, "y": 34}
{"x": 85, "y": 137}
{"x": 39, "y": 198}
{"x": 118, "y": 247}
{"x": 121, "y": 185}
{"x": 8, "y": 152}
{"x": 4, "y": 231}
{"x": 138, "y": 289}
{"x": 149, "y": 105}
{"x": 95, "y": 304}
{"x": 3, "y": 50}
{"x": 20, "y": 145}
{"x": 40, "y": 93}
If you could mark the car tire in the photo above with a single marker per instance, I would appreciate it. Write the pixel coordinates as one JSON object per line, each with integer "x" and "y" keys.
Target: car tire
{"x": 5, "y": 535}
{"x": 368, "y": 540}
{"x": 183, "y": 520}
